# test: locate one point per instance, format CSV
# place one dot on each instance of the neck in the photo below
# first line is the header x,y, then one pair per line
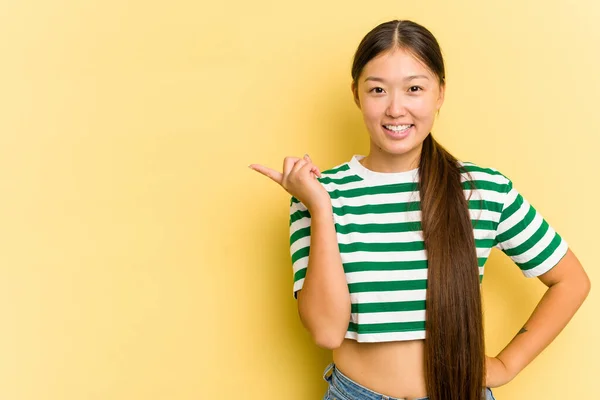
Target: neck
x,y
379,161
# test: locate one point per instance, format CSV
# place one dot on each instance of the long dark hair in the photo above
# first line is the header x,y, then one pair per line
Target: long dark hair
x,y
454,343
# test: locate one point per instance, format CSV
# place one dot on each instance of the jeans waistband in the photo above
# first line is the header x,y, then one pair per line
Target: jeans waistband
x,y
354,391
351,389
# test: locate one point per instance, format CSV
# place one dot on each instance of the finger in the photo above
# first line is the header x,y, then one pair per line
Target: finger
x,y
298,166
268,172
314,169
308,168
315,173
288,164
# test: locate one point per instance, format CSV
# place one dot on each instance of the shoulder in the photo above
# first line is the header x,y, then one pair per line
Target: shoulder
x,y
340,168
472,171
337,172
470,168
339,177
331,179
484,177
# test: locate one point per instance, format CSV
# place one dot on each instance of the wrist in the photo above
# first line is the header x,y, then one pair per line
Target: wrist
x,y
319,208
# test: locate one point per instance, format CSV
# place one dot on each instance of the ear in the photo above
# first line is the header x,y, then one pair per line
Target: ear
x,y
355,94
440,99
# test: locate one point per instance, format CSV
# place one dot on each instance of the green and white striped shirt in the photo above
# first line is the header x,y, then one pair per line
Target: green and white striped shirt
x,y
378,224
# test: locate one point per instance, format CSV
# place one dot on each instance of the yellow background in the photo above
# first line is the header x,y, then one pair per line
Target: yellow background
x,y
141,259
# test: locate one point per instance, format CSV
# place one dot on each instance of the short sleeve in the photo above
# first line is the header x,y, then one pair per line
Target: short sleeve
x,y
299,241
525,236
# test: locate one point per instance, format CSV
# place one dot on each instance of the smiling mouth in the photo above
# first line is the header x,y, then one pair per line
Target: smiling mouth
x,y
397,131
398,128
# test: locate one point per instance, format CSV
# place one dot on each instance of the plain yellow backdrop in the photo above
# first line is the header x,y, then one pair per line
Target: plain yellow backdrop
x,y
141,259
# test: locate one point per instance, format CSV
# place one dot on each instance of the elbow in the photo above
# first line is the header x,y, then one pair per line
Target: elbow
x,y
586,286
580,287
328,340
327,328
327,336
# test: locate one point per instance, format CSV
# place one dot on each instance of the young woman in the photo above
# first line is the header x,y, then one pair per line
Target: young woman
x,y
388,249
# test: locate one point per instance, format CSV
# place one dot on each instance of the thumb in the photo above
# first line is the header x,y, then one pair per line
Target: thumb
x,y
275,176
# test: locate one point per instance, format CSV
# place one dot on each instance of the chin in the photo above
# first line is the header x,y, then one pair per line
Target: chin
x,y
397,149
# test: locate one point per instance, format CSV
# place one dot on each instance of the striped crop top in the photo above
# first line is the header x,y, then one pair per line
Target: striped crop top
x,y
377,220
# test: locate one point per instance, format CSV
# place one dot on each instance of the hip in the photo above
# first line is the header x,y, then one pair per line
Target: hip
x,y
396,368
341,387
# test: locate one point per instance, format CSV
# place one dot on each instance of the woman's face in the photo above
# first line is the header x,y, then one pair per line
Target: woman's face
x,y
399,97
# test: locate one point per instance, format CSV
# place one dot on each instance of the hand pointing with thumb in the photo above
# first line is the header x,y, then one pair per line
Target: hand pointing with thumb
x,y
298,178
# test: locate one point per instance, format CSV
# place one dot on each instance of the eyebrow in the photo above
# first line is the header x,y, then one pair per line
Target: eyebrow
x,y
408,78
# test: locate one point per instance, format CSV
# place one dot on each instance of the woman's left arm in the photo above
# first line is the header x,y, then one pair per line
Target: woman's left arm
x,y
568,286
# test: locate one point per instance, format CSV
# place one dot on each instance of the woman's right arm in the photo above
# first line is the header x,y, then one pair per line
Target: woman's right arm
x,y
324,300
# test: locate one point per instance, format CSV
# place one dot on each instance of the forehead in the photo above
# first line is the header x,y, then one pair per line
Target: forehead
x,y
395,65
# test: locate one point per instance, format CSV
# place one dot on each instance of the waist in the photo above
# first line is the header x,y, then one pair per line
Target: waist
x,y
393,368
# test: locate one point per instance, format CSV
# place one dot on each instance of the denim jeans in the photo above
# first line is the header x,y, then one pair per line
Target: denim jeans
x,y
343,388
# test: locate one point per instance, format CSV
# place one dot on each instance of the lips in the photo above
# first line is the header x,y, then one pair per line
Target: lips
x,y
398,132
397,127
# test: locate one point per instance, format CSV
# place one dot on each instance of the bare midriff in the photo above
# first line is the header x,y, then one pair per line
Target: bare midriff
x,y
395,369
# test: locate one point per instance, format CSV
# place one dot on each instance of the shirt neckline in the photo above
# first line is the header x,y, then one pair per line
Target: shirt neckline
x,y
381,177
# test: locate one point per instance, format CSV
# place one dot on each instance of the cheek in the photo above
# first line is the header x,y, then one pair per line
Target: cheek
x,y
423,108
371,112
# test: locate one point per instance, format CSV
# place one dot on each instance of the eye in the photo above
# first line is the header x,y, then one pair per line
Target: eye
x,y
414,89
375,88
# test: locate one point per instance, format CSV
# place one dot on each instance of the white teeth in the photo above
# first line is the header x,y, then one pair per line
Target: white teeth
x,y
397,128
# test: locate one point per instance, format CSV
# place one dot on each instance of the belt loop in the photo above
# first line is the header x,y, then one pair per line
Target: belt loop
x,y
328,372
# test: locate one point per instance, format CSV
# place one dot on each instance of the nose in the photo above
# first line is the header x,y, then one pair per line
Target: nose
x,y
396,107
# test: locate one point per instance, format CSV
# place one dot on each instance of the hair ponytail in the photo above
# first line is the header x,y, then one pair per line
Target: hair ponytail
x,y
454,345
